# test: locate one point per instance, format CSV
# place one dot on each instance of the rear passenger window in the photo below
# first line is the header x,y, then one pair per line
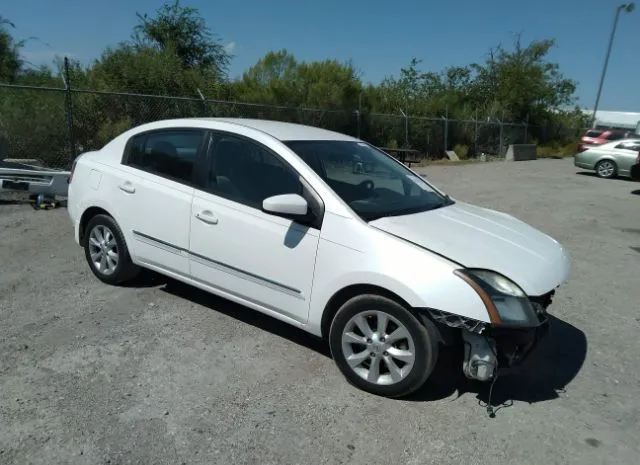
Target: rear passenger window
x,y
168,153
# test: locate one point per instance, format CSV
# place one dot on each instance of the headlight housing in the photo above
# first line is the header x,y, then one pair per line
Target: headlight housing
x,y
506,302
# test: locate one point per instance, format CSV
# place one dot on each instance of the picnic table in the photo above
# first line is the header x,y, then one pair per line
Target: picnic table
x,y
406,156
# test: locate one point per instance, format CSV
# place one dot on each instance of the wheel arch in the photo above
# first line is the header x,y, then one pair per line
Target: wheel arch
x,y
86,217
443,333
606,157
343,295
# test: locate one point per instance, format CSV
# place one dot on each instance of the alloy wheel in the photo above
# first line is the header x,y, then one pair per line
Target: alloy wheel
x,y
606,169
378,347
103,249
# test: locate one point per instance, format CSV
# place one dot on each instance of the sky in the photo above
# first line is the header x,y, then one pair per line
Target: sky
x,y
378,36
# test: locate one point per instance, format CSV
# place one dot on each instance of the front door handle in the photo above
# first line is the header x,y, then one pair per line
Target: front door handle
x,y
207,217
127,187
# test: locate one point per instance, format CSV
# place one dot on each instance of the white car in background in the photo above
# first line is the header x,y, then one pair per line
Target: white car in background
x,y
379,262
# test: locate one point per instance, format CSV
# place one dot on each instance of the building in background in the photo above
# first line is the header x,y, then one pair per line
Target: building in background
x,y
624,120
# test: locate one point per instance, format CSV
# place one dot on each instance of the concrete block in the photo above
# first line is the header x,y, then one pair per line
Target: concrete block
x,y
521,152
452,155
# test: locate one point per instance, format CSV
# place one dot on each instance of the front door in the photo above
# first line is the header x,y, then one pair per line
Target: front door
x,y
238,248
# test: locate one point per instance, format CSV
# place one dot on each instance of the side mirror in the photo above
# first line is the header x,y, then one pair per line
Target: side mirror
x,y
286,204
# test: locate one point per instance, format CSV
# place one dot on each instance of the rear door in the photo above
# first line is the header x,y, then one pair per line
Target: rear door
x,y
156,184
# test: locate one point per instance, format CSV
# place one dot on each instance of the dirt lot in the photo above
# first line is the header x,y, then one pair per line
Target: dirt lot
x,y
159,373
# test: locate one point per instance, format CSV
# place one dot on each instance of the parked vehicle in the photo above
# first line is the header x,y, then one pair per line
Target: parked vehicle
x,y
593,137
611,159
384,265
31,177
635,169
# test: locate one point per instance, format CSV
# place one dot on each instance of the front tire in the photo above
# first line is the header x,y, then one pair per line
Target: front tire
x,y
106,251
606,169
381,347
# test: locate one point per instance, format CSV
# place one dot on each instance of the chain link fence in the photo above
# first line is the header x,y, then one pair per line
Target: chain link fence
x,y
33,125
53,125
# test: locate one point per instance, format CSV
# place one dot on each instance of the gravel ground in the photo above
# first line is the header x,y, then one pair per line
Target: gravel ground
x,y
159,373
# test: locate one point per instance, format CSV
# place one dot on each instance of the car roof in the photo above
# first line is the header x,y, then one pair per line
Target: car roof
x,y
280,130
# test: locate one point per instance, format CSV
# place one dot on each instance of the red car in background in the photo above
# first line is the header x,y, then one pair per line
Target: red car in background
x,y
600,136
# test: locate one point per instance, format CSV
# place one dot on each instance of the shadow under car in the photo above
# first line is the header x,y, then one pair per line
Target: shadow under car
x,y
541,377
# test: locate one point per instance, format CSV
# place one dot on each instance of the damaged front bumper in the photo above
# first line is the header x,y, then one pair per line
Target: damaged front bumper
x,y
489,347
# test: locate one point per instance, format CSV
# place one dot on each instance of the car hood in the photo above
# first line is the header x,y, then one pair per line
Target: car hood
x,y
477,237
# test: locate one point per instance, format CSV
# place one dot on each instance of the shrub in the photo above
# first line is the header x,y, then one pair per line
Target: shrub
x,y
557,149
462,151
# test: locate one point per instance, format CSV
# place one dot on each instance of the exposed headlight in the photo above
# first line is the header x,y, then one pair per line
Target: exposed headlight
x,y
498,282
507,304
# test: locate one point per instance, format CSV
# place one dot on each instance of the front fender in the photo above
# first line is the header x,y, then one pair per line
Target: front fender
x,y
420,278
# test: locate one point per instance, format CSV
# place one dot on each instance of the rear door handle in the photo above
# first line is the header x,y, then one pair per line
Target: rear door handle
x,y
207,217
127,187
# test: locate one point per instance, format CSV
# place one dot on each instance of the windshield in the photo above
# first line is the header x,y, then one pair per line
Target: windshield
x,y
371,182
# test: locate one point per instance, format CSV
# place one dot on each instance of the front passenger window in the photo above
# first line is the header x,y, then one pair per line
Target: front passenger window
x,y
248,173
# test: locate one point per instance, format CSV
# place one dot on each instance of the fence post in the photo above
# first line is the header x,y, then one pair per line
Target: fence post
x,y
69,108
475,137
204,103
406,128
501,135
526,129
446,128
359,114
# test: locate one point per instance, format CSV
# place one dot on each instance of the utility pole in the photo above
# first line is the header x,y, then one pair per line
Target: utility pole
x,y
627,8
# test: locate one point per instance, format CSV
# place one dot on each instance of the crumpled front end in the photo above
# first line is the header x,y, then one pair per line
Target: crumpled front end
x,y
489,347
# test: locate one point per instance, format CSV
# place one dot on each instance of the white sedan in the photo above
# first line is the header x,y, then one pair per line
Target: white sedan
x,y
381,263
611,159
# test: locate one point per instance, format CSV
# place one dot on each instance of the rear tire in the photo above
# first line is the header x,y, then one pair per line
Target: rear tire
x,y
606,169
381,347
106,251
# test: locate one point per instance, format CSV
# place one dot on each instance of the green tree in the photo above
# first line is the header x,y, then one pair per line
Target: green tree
x,y
522,81
319,93
272,80
172,53
134,69
10,61
183,32
278,78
